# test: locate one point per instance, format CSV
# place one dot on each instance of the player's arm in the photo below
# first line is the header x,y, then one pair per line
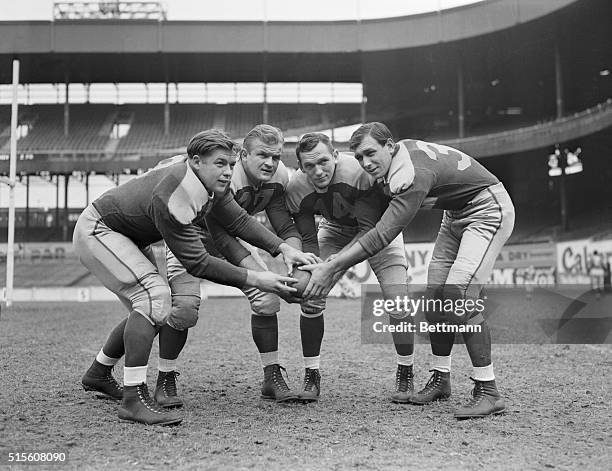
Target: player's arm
x,y
239,223
227,244
281,221
400,212
184,241
306,226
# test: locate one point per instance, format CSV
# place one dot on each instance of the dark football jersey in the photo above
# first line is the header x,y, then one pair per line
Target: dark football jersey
x,y
169,203
265,196
425,175
348,200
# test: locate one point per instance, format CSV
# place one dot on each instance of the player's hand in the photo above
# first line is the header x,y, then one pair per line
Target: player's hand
x,y
321,280
292,299
271,282
293,256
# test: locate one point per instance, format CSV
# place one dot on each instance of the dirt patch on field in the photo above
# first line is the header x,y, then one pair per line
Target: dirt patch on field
x,y
559,412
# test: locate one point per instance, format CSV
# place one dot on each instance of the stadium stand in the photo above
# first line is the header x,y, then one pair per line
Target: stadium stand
x,y
87,131
147,125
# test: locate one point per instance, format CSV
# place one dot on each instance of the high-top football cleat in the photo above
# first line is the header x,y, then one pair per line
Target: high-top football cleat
x,y
165,390
311,389
404,385
485,400
437,388
99,379
138,406
274,385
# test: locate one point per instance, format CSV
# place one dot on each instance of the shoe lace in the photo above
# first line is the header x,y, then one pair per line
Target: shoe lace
x,y
110,379
148,401
277,378
169,383
310,380
403,378
478,393
433,383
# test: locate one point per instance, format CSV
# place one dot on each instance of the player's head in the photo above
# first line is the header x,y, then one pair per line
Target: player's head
x,y
317,158
261,152
373,145
212,156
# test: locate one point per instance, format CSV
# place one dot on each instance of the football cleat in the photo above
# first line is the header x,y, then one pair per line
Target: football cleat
x,y
404,385
311,389
437,388
138,406
485,400
165,390
99,379
274,385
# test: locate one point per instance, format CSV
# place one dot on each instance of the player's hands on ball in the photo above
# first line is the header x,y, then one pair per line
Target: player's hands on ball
x,y
321,280
271,282
293,256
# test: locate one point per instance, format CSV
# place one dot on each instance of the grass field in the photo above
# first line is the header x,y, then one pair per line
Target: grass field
x,y
558,397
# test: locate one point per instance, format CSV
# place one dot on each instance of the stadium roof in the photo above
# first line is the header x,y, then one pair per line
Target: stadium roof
x,y
159,51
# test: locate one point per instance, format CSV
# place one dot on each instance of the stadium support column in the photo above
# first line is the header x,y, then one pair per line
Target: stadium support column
x,y
86,188
460,101
27,208
558,82
265,111
65,218
167,112
66,110
56,222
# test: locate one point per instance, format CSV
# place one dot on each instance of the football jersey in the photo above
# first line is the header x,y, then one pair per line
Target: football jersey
x,y
253,198
425,175
348,200
169,203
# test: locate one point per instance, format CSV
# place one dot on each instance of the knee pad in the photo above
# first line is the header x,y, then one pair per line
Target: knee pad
x,y
264,304
184,314
154,302
313,307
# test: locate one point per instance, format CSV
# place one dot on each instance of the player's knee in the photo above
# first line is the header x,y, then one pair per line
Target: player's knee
x,y
184,314
312,308
155,304
265,304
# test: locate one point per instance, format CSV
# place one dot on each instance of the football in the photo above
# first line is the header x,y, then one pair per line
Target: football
x,y
303,278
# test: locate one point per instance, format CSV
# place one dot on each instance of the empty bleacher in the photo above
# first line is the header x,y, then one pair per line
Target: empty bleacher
x,y
147,125
87,128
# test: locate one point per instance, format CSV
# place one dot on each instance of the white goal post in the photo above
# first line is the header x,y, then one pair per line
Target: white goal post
x,y
10,181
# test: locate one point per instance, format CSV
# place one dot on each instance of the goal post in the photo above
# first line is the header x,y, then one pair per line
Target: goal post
x,y
10,250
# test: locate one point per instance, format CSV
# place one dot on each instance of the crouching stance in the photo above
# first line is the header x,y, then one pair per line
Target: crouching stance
x,y
112,238
478,219
334,186
258,184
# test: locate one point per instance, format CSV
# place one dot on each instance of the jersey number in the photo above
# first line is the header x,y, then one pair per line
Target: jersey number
x,y
434,150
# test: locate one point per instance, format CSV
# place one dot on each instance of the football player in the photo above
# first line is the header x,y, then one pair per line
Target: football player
x,y
336,187
112,238
478,219
258,184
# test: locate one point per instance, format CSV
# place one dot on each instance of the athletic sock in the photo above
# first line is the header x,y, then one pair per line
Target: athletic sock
x,y
405,360
106,360
483,373
269,358
312,362
134,375
165,365
442,363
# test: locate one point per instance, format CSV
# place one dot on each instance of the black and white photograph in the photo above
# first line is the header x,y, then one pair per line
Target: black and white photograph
x,y
290,235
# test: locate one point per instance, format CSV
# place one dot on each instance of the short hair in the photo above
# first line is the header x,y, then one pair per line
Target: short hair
x,y
206,142
267,134
378,131
311,140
